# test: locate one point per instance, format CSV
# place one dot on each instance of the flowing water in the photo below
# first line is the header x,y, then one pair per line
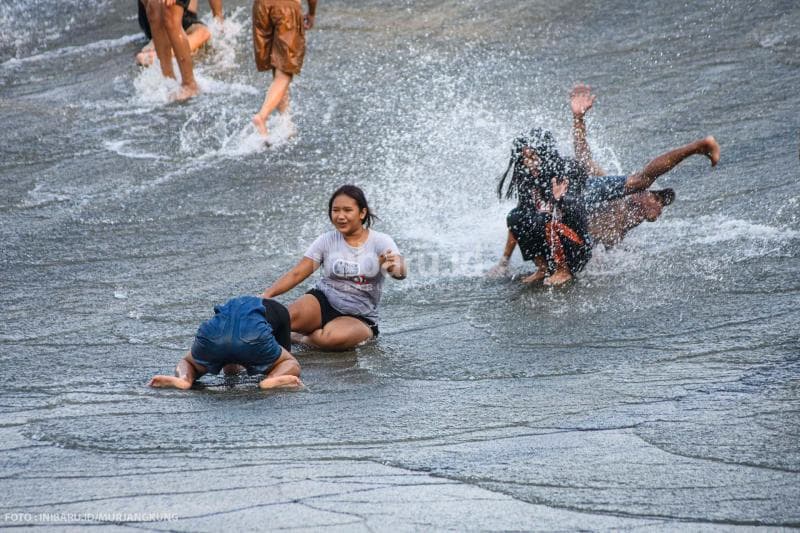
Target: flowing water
x,y
661,390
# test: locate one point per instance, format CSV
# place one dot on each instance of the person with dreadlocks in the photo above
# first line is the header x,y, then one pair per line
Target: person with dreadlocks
x,y
610,205
549,221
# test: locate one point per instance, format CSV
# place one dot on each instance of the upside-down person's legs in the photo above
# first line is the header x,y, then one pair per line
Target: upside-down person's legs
x,y
662,164
186,373
342,333
285,374
173,16
277,95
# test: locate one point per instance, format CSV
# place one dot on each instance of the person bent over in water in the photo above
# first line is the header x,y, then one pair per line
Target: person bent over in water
x,y
196,31
246,331
279,44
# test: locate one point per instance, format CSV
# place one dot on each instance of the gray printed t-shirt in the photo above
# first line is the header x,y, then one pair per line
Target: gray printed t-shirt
x,y
351,278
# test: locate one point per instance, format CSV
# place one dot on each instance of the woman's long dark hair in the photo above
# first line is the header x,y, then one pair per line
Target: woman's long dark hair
x,y
361,200
543,143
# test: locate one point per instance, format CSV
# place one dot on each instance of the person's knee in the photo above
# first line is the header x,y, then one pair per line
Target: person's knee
x,y
173,19
155,13
336,339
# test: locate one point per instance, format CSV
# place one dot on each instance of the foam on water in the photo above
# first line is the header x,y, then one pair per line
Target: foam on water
x,y
67,51
121,148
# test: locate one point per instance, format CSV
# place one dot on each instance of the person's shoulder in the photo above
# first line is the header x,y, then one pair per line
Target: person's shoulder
x,y
381,238
329,238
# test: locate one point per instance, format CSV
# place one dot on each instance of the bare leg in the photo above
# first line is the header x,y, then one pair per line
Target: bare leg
x,y
198,36
173,16
285,374
662,164
343,333
161,42
278,90
305,314
186,373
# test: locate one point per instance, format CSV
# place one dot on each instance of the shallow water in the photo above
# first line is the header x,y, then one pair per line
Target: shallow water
x,y
661,390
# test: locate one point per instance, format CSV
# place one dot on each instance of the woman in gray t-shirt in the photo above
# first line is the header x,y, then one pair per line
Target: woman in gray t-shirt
x,y
342,310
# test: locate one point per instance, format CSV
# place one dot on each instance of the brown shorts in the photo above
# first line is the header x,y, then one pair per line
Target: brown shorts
x,y
279,39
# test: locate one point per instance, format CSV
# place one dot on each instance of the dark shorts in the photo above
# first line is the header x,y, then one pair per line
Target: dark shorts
x,y
527,226
189,18
248,331
279,39
601,189
329,312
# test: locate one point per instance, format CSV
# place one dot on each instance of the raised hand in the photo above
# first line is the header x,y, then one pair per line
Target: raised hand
x,y
581,99
560,188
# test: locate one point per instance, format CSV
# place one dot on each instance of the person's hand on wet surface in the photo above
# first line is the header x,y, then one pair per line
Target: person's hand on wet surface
x,y
581,99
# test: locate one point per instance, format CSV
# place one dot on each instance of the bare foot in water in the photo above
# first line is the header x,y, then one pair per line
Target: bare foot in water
x,y
146,57
281,382
712,150
560,277
185,92
536,277
261,125
169,382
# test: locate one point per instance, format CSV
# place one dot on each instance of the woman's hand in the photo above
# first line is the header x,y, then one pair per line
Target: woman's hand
x,y
393,263
560,188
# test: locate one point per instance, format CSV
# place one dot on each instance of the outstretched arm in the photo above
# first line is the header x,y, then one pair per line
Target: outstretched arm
x,y
291,279
501,268
580,101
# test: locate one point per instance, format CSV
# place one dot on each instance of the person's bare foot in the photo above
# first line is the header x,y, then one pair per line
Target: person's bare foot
x,y
146,57
169,382
559,277
536,277
712,149
260,124
185,92
281,382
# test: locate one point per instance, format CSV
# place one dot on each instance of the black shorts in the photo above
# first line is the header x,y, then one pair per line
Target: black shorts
x,y
189,18
329,312
278,317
